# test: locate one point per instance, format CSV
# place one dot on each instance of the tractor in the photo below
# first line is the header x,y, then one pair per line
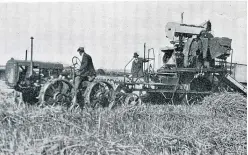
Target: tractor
x,y
52,83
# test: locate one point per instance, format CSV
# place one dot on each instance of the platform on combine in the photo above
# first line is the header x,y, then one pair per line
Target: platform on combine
x,y
192,70
179,91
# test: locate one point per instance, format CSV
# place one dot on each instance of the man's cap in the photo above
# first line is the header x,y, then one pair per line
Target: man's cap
x,y
135,55
80,49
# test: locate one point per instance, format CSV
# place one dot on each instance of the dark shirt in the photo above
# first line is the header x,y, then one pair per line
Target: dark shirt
x,y
137,68
87,67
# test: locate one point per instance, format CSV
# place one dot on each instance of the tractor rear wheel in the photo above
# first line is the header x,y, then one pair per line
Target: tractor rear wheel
x,y
57,91
99,94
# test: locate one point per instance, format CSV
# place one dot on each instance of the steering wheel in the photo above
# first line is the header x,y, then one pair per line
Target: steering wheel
x,y
76,61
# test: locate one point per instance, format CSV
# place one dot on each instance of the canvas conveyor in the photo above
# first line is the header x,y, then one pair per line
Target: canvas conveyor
x,y
231,82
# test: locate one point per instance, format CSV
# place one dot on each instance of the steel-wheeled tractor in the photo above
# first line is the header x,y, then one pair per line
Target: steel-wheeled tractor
x,y
52,83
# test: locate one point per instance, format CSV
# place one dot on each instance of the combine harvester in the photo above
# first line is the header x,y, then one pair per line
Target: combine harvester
x,y
198,67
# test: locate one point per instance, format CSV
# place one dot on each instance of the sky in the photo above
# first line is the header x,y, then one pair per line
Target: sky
x,y
111,31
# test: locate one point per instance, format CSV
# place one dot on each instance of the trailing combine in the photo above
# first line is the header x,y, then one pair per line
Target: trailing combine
x,y
194,67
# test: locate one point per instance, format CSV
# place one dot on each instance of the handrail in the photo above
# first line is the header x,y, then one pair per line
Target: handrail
x,y
234,63
153,57
125,69
148,64
231,61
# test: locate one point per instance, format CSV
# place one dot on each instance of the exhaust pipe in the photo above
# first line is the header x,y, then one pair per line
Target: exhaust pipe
x,y
26,55
182,17
144,56
26,58
31,61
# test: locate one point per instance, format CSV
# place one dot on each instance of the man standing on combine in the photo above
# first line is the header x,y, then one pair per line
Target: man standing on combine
x,y
86,72
137,67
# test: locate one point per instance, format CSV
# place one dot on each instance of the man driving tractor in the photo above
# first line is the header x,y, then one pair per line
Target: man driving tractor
x,y
86,72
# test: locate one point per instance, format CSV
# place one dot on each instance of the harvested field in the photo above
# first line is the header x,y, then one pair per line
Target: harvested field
x,y
216,127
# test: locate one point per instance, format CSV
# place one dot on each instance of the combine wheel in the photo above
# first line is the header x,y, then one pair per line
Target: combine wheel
x,y
201,84
132,99
57,91
198,85
125,99
119,99
194,98
99,94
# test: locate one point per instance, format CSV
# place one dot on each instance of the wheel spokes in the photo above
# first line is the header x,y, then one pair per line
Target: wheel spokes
x,y
132,99
59,92
99,94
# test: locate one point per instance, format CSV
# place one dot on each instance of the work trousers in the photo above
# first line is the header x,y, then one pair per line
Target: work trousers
x,y
78,80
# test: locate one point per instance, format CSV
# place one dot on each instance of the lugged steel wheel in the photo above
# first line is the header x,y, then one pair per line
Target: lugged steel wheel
x,y
57,91
200,86
119,99
132,99
120,94
99,94
125,99
194,98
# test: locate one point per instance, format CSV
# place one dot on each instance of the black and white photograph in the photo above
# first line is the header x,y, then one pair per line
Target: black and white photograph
x,y
123,78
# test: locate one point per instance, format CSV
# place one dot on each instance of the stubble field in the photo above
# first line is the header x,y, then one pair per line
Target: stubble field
x,y
217,126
